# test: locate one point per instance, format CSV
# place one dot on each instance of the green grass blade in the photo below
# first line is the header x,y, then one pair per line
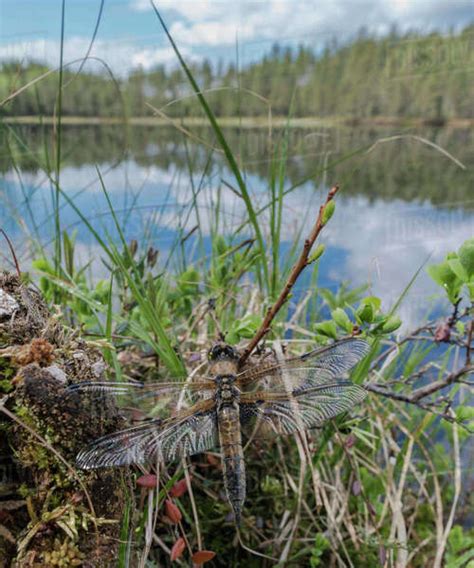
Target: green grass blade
x,y
225,147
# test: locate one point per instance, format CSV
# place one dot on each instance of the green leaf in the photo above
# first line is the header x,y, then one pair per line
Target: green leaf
x,y
342,319
470,288
245,327
461,548
317,254
327,328
328,211
321,544
368,309
443,275
456,266
373,301
365,313
392,324
460,327
466,257
232,338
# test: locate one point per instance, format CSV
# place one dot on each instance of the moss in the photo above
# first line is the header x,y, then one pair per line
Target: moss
x,y
63,554
57,521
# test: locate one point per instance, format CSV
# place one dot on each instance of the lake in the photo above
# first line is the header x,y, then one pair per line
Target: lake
x,y
407,194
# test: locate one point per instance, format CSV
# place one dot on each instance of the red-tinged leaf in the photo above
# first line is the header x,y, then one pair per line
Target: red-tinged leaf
x,y
356,488
179,488
202,556
149,480
173,512
177,549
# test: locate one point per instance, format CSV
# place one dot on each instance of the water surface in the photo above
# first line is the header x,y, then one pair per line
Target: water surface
x,y
402,200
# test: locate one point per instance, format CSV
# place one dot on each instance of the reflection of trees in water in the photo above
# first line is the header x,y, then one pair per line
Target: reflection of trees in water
x,y
404,169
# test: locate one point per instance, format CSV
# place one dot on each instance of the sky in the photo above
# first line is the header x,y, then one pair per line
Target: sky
x,y
129,34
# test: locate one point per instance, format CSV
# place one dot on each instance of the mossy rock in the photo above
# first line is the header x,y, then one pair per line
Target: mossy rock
x,y
65,517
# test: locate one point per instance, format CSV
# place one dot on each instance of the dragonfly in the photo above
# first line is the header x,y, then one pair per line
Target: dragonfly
x,y
288,396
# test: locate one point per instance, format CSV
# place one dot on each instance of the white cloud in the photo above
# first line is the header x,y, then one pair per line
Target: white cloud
x,y
211,33
213,24
119,55
192,10
219,22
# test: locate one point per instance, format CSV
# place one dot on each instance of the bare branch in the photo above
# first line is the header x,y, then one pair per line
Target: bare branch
x,y
297,269
415,398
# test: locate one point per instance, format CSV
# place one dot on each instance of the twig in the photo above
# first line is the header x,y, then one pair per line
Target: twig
x,y
421,392
395,346
12,250
297,269
469,342
453,318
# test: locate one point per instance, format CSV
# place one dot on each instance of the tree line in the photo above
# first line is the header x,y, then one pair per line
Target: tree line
x,y
406,75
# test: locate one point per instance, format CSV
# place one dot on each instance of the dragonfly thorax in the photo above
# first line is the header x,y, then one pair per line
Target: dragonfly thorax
x,y
226,391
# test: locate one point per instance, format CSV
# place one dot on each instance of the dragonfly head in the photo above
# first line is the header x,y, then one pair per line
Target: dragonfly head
x,y
222,351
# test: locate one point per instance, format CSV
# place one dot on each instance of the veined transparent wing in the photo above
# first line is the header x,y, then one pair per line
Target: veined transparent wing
x,y
312,369
190,432
287,413
150,399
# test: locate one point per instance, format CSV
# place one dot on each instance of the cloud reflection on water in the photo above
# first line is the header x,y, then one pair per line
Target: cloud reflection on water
x,y
379,241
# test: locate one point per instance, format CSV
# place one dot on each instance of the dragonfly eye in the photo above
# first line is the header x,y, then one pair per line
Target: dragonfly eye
x,y
222,351
230,352
213,353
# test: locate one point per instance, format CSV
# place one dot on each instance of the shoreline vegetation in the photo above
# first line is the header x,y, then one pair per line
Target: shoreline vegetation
x,y
246,122
408,76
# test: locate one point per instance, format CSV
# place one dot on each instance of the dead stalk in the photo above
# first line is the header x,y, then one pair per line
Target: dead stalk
x,y
457,491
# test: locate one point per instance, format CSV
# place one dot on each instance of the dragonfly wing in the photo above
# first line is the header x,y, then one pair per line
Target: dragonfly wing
x,y
190,432
149,398
287,413
314,368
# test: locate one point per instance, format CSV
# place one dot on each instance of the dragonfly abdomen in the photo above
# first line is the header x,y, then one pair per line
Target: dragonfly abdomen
x,y
232,457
